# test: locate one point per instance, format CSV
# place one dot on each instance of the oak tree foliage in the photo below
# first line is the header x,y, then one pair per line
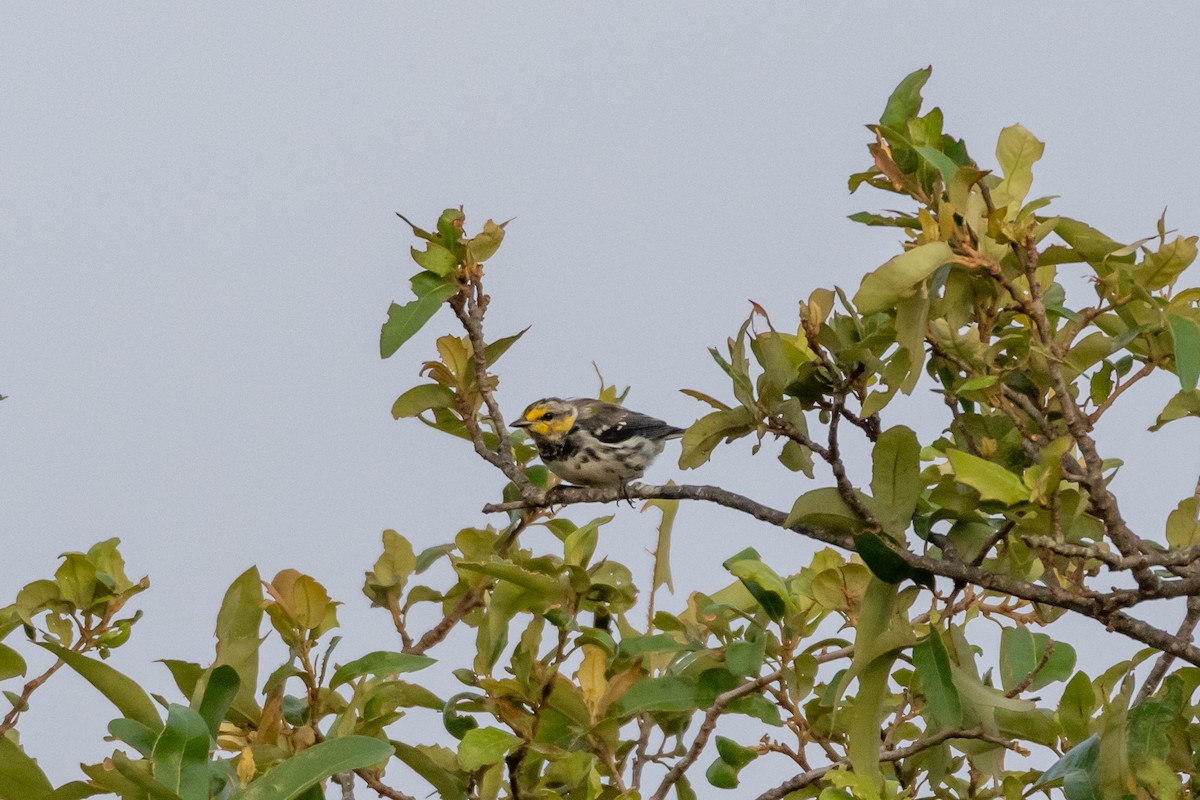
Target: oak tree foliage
x,y
853,672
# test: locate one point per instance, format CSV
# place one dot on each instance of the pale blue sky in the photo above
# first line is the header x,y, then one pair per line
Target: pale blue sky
x,y
198,246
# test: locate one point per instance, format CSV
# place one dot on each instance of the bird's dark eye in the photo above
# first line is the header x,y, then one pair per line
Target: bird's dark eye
x,y
548,415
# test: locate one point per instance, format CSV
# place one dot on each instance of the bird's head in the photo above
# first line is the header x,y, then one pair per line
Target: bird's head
x,y
550,419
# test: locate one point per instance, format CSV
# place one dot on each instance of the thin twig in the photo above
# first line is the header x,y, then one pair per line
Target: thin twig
x,y
706,729
1146,369
806,779
1186,629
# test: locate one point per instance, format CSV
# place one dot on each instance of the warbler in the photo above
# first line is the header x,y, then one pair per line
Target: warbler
x,y
592,443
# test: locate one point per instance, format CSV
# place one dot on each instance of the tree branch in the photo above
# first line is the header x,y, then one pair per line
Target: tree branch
x,y
706,729
806,779
1104,608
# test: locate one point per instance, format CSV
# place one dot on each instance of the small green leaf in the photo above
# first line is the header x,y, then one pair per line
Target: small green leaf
x,y
745,656
932,665
991,480
899,277
905,100
669,693
703,436
181,754
485,243
1017,150
437,765
20,776
1185,403
134,734
483,747
943,163
1076,706
764,583
12,664
422,398
436,259
238,623
289,779
381,664
219,693
1162,267
1186,336
76,579
404,321
122,691
895,472
186,674
1078,771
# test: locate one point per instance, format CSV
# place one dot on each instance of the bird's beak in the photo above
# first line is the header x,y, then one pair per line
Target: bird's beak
x,y
520,423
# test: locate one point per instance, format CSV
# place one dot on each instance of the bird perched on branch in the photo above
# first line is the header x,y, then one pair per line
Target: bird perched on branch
x,y
592,443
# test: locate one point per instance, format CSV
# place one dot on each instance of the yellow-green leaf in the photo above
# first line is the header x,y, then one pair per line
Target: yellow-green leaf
x,y
895,280
992,481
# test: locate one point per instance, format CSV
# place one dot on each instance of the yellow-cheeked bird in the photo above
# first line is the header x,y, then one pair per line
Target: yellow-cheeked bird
x,y
592,443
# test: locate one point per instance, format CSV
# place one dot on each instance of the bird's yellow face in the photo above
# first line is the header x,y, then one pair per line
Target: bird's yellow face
x,y
550,419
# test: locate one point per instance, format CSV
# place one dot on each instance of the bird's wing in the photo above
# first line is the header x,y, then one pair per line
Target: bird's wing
x,y
612,424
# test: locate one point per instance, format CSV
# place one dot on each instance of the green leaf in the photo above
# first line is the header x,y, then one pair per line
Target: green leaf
x,y
905,100
422,398
669,693
1022,651
885,563
437,765
932,665
381,663
943,163
895,472
884,221
1185,403
122,691
745,656
1186,336
1183,524
76,579
238,623
898,278
483,747
134,734
662,550
1160,268
721,775
1016,150
288,779
731,758
1090,243
74,790
20,776
436,259
519,576
992,481
485,243
186,674
1076,706
219,693
703,436
823,508
12,664
1077,770
181,754
404,321
764,583
496,349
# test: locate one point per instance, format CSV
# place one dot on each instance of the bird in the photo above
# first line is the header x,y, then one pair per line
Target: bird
x,y
588,442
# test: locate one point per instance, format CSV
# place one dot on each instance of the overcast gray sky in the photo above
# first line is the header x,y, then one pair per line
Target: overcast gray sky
x,y
198,246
